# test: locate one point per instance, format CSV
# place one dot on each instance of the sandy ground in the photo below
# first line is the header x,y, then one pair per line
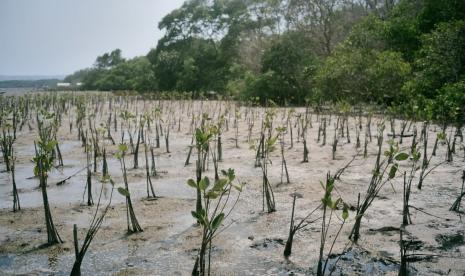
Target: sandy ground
x,y
253,244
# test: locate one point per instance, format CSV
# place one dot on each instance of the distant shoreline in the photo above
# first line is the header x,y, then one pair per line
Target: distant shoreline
x,y
32,84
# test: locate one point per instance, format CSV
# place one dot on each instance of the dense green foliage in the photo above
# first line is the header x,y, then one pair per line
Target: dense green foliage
x,y
409,55
357,75
441,59
450,104
287,72
111,72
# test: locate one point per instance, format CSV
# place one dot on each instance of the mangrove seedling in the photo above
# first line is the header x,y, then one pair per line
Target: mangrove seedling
x,y
136,149
281,131
16,204
294,227
305,121
424,169
415,156
6,144
377,182
189,153
212,214
237,117
335,141
456,205
167,139
329,205
203,137
43,160
94,227
133,224
90,201
268,146
150,190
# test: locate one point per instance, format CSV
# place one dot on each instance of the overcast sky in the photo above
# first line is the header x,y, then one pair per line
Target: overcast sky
x,y
58,37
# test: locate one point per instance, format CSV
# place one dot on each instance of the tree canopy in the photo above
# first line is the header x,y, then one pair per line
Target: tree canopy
x,y
362,51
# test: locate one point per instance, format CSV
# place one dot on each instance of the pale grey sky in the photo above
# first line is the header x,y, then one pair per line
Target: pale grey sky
x,y
58,37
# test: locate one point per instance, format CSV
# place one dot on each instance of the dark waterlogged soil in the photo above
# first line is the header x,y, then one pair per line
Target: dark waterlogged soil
x,y
253,243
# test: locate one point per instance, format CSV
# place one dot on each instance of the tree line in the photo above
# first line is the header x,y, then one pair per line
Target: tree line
x,y
407,54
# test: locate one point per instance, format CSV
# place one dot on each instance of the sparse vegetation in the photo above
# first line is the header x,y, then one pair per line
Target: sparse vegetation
x,y
286,93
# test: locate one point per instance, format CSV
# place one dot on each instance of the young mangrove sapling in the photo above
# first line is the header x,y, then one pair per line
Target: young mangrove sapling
x,y
212,214
94,227
329,205
133,224
377,182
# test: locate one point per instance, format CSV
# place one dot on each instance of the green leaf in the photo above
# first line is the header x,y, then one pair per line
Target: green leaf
x,y
335,203
195,215
123,191
238,187
51,145
118,155
401,156
122,147
322,185
345,212
212,194
219,185
204,183
231,174
36,170
272,141
416,155
393,171
105,178
203,213
329,186
329,201
200,217
192,183
217,221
